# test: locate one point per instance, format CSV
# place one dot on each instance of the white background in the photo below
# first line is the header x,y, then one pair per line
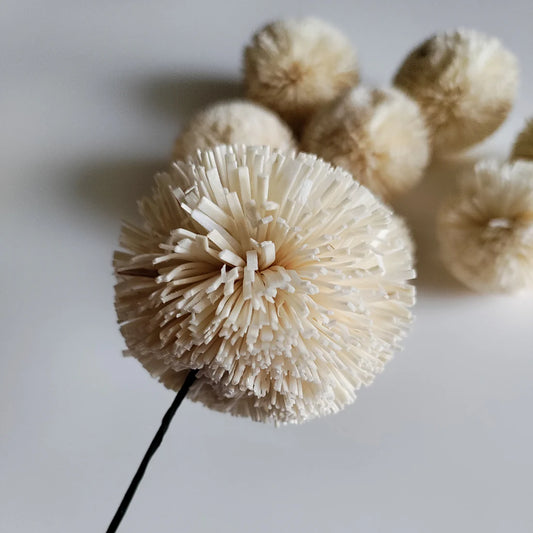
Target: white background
x,y
91,96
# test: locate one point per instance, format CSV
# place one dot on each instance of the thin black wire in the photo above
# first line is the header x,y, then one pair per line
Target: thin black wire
x,y
154,445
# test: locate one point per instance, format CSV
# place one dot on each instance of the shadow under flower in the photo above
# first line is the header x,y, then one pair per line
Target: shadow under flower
x,y
112,187
179,96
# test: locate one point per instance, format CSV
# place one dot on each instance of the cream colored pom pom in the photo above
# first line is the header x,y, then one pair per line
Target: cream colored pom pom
x,y
233,122
465,83
523,146
279,277
379,136
486,231
296,66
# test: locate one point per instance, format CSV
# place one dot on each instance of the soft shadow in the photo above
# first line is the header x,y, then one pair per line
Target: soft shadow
x,y
179,96
420,207
112,187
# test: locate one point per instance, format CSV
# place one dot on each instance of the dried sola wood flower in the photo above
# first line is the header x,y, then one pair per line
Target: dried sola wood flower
x,y
233,122
296,66
280,278
465,83
523,146
379,136
486,230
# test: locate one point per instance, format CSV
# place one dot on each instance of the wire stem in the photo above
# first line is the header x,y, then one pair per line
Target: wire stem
x,y
154,445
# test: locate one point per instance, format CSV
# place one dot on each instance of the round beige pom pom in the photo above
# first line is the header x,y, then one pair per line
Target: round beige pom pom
x,y
296,66
465,83
233,122
523,146
280,278
379,136
486,230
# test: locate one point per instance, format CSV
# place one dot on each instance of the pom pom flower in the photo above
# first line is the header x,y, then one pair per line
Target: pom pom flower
x,y
486,231
280,278
296,66
523,146
379,136
465,83
233,122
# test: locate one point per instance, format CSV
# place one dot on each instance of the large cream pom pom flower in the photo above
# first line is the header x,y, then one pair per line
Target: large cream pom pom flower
x,y
379,136
523,146
233,122
465,83
296,66
279,277
486,230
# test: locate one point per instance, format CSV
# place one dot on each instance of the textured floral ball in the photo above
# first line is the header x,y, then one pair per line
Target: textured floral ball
x,y
486,230
233,122
279,277
523,146
296,66
465,83
379,136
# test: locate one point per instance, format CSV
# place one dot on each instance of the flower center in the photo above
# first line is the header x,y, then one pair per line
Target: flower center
x,y
500,223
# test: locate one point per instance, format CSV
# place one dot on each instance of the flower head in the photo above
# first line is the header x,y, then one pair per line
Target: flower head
x,y
296,66
486,230
233,122
279,277
379,136
465,83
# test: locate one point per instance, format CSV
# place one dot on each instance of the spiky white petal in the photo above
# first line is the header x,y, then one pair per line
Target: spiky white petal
x,y
486,230
279,277
296,66
233,122
523,146
465,83
379,136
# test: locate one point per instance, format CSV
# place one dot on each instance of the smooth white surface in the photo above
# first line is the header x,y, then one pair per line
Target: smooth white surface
x,y
91,97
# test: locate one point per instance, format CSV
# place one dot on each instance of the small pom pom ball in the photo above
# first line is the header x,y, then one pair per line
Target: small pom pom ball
x,y
233,122
379,136
523,146
279,277
465,83
486,230
296,66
